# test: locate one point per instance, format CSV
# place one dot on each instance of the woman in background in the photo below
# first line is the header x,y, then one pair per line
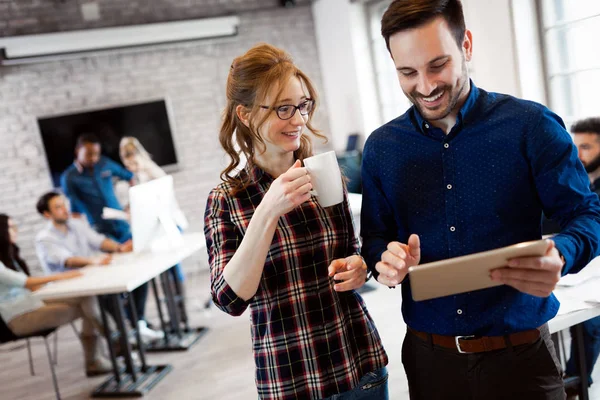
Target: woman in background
x,y
25,314
137,160
274,249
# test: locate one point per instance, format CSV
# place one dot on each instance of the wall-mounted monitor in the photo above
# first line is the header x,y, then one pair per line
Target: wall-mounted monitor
x,y
149,122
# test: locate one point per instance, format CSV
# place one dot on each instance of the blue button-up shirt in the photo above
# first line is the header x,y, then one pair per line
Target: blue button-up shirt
x,y
482,186
54,247
91,190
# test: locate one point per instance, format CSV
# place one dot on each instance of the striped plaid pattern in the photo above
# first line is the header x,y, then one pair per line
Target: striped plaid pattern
x,y
309,341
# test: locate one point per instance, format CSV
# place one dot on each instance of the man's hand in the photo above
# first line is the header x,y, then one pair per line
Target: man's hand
x,y
536,276
103,259
126,247
352,271
396,260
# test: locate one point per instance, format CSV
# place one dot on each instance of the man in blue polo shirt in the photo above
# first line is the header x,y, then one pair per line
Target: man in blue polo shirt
x,y
464,171
88,183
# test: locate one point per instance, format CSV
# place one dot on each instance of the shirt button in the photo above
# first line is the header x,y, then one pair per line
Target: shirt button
x,y
452,229
427,126
446,145
459,311
449,187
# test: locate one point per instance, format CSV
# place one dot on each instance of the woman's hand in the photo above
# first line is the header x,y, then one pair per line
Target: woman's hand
x,y
350,273
288,191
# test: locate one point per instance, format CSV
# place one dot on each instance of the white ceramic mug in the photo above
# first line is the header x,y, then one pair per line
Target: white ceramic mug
x,y
326,178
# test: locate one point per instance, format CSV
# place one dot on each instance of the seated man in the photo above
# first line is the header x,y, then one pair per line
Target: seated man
x,y
67,243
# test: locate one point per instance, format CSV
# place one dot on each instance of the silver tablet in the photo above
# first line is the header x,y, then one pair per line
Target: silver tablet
x,y
467,273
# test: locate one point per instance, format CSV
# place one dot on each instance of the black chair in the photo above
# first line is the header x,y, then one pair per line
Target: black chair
x,y
6,336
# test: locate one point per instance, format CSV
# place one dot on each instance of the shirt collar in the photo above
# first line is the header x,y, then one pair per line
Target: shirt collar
x,y
257,174
469,104
78,167
52,228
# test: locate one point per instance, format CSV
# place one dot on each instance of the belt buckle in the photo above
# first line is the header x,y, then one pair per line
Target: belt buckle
x,y
456,340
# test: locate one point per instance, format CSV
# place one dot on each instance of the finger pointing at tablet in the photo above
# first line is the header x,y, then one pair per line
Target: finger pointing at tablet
x,y
396,260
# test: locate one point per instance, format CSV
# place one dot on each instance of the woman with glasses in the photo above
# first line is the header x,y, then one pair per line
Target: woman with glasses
x,y
272,248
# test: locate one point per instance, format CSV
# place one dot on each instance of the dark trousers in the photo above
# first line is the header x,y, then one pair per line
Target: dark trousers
x,y
138,296
530,371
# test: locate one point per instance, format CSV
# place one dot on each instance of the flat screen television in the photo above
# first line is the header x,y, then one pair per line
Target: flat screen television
x,y
149,122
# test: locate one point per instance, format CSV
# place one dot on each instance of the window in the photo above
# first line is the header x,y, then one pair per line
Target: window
x,y
571,30
392,101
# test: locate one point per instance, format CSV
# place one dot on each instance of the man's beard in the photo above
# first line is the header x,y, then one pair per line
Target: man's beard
x,y
593,165
426,113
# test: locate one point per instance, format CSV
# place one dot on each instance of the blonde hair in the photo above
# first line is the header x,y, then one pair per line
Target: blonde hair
x,y
250,80
129,142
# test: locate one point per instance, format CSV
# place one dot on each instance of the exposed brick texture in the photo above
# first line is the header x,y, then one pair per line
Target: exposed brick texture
x,y
191,77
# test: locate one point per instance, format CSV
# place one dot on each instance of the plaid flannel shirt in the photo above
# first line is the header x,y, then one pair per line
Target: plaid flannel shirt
x,y
309,341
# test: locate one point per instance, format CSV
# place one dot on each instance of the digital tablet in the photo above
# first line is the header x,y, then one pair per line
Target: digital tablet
x,y
467,273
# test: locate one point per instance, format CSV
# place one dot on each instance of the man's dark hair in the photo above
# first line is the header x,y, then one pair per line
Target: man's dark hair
x,y
588,125
402,15
43,203
86,138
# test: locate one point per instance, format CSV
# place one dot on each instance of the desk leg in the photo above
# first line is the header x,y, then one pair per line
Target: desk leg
x,y
173,312
180,299
109,343
138,337
160,313
175,339
583,372
120,320
134,381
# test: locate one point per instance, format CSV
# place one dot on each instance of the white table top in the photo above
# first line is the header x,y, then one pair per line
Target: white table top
x,y
124,274
566,321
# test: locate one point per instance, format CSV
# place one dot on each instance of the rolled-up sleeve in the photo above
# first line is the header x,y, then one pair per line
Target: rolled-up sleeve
x,y
11,278
93,238
222,241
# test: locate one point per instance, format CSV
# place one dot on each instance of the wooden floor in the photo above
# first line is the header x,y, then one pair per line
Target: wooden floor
x,y
219,366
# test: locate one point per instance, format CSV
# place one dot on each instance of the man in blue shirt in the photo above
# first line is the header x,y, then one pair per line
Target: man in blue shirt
x,y
465,171
88,184
586,135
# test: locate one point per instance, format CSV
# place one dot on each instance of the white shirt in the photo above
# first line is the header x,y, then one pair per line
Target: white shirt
x,y
54,247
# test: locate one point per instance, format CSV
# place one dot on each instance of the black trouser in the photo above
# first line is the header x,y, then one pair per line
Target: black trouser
x,y
138,296
530,371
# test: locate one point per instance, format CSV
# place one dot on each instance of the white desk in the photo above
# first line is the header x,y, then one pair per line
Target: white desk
x,y
565,321
124,274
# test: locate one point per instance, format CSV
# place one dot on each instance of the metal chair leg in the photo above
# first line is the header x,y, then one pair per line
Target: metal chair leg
x,y
31,370
56,347
54,381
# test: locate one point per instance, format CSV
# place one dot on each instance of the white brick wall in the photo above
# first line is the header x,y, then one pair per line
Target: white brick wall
x,y
192,79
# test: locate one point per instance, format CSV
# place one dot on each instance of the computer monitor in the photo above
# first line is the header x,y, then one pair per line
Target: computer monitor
x,y
155,216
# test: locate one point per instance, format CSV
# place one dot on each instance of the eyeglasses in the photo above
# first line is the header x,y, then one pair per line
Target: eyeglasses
x,y
287,111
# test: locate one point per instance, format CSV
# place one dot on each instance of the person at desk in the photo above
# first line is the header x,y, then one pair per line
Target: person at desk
x,y
139,162
586,135
463,171
274,249
70,243
25,314
88,183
